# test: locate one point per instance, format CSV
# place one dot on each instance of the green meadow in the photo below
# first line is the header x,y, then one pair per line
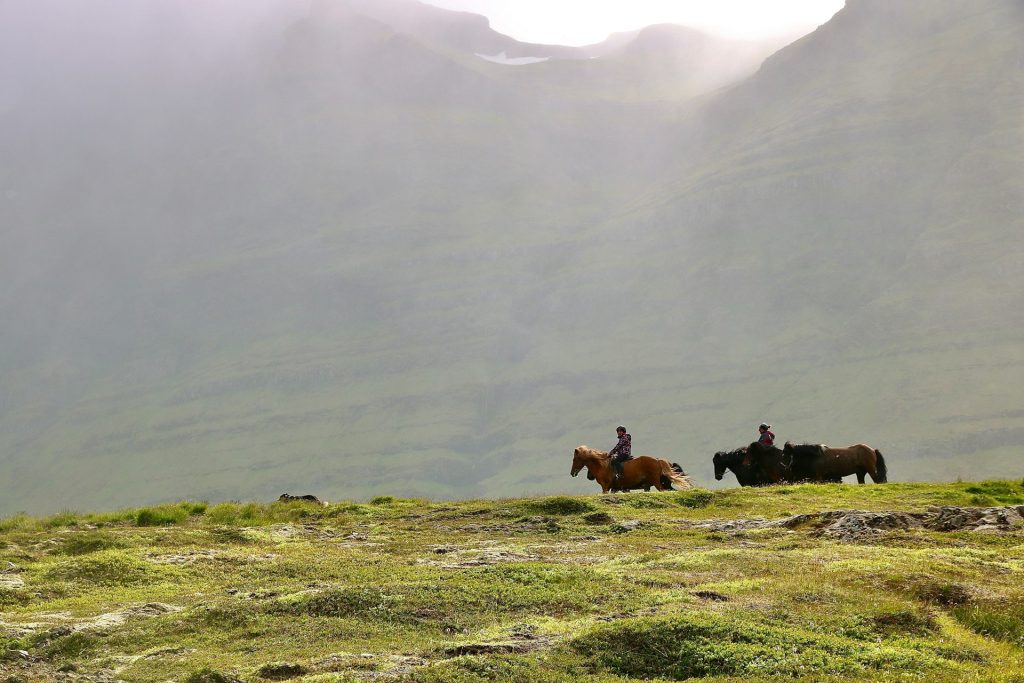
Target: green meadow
x,y
674,586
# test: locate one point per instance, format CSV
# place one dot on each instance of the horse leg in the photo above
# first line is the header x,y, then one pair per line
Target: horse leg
x,y
860,476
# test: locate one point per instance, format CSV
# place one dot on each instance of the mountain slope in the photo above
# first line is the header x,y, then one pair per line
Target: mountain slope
x,y
342,258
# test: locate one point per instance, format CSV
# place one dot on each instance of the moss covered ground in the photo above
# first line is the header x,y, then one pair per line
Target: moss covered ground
x,y
643,586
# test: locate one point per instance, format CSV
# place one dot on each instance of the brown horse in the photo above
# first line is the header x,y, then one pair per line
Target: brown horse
x,y
824,463
640,472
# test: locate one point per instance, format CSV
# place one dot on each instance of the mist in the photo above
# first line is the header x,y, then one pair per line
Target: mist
x,y
325,247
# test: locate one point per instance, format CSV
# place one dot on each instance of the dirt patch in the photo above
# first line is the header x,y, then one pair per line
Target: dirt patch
x,y
710,596
466,559
369,667
11,581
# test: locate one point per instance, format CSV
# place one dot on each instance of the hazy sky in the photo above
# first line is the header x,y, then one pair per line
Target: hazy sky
x,y
579,22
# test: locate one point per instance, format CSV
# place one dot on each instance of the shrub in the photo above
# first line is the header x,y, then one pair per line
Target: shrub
x,y
382,500
942,593
598,518
559,505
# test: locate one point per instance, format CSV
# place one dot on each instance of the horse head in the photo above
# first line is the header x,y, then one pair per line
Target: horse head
x,y
582,457
720,464
579,461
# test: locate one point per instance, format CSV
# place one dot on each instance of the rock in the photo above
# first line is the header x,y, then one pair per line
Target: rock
x,y
628,525
857,524
951,518
486,649
308,498
10,568
110,620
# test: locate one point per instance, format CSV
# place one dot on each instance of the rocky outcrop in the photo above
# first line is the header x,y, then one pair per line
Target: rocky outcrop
x,y
860,524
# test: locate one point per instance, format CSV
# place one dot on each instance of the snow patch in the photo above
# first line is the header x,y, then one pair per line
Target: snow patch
x,y
503,58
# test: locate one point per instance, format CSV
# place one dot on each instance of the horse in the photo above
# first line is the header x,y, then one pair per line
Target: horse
x,y
640,472
801,463
767,464
739,463
665,481
824,463
755,465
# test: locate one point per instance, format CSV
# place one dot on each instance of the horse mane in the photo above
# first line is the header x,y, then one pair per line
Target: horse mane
x,y
592,453
805,449
734,456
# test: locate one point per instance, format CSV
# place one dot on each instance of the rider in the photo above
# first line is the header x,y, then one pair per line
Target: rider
x,y
622,451
767,438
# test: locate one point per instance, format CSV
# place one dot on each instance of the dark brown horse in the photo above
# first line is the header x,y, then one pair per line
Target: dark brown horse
x,y
741,465
823,463
639,473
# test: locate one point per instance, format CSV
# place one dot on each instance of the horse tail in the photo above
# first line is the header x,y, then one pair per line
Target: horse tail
x,y
881,471
674,474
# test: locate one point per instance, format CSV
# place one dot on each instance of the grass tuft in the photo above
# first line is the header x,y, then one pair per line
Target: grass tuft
x,y
103,568
697,645
83,544
695,498
1002,620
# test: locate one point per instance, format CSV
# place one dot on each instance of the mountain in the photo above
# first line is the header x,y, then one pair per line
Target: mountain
x,y
329,252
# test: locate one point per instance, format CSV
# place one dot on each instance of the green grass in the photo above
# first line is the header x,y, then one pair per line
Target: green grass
x,y
501,591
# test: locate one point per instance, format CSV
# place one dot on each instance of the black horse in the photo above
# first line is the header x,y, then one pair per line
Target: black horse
x,y
755,465
801,459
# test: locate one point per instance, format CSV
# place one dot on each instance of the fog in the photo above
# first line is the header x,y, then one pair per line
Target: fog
x,y
324,247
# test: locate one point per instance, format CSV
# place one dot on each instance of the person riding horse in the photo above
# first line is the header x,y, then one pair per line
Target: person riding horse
x,y
622,451
767,436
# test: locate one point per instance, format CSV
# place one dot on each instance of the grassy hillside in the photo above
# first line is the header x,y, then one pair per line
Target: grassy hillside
x,y
332,255
729,585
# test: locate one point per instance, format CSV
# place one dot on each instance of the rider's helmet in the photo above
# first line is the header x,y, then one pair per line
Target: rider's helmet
x,y
621,429
765,425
